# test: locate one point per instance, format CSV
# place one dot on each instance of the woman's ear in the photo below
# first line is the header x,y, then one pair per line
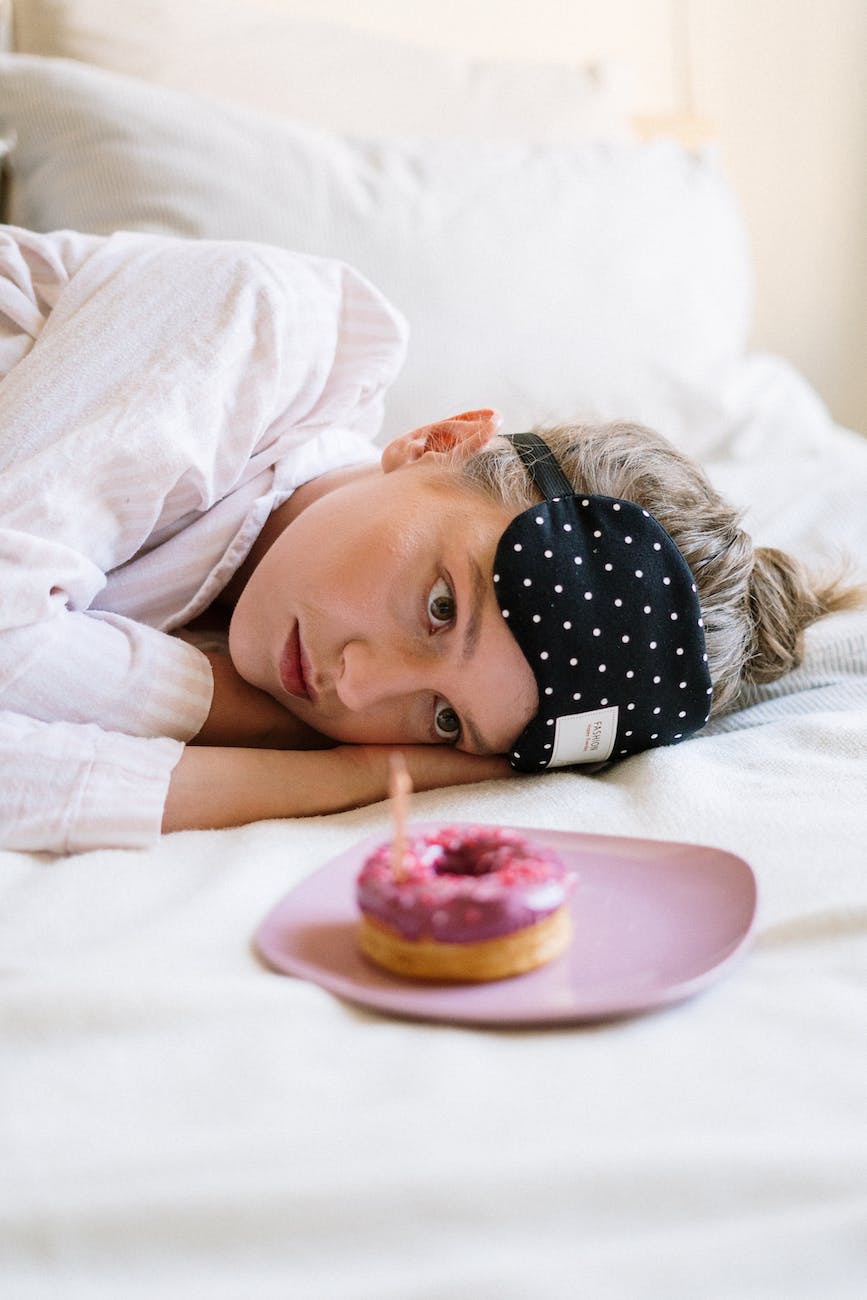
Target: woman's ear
x,y
465,434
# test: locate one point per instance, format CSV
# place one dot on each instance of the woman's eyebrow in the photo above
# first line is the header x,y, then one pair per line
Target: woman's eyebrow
x,y
478,591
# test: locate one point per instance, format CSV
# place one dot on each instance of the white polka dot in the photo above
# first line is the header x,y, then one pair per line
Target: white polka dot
x,y
550,722
573,663
647,609
674,618
515,754
679,650
704,658
547,746
639,573
597,631
505,613
630,673
627,540
618,602
666,582
558,588
548,554
608,568
518,546
539,519
528,582
646,514
625,640
655,736
537,618
682,713
657,546
588,595
657,680
683,686
603,702
657,709
602,668
678,735
694,588
578,560
701,622
630,706
653,645
549,690
567,625
544,654
627,733
596,532
577,695
585,502
496,577
567,528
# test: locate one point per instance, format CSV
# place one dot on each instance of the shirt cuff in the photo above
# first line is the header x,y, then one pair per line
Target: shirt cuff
x,y
122,794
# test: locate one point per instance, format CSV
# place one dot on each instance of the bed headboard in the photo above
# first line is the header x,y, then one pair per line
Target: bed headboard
x,y
781,82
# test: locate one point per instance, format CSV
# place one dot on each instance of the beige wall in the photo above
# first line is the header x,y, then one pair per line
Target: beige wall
x,y
785,82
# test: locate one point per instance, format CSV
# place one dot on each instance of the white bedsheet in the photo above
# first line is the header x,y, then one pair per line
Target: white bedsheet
x,y
177,1121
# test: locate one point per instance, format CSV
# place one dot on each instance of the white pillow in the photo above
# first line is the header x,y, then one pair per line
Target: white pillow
x,y
255,53
553,282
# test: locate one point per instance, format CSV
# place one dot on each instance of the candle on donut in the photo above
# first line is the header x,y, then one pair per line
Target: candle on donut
x,y
399,789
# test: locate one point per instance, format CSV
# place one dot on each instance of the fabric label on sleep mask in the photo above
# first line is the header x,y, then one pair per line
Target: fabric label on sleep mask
x,y
584,737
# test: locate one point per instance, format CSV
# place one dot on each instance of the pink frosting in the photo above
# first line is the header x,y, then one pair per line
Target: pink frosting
x,y
463,884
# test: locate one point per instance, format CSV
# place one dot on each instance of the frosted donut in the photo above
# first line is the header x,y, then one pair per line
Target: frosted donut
x,y
470,903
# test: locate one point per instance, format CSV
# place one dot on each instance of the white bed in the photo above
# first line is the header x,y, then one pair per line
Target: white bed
x,y
175,1119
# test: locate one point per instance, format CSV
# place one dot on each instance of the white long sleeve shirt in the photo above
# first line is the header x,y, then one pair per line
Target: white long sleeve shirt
x,y
158,399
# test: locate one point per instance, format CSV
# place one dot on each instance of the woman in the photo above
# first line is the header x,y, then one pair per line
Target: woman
x,y
186,441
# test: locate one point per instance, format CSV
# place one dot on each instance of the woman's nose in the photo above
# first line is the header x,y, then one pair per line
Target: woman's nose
x,y
371,672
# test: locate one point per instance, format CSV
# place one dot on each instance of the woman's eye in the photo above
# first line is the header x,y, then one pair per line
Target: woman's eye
x,y
446,722
441,603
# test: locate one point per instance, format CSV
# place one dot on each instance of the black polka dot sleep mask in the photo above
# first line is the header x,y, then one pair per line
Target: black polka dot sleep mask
x,y
606,612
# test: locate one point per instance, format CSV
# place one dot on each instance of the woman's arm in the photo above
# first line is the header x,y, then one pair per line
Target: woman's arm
x,y
215,786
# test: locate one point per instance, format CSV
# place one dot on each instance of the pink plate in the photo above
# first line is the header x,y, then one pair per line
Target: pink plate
x,y
654,922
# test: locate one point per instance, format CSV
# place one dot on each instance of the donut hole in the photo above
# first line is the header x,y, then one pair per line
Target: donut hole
x,y
468,863
479,855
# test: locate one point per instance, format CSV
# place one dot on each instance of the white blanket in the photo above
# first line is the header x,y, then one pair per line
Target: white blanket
x,y
178,1121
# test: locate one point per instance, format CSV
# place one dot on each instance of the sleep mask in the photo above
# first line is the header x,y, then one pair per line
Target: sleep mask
x,y
606,612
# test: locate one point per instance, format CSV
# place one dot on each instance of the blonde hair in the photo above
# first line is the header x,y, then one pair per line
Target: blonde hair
x,y
756,601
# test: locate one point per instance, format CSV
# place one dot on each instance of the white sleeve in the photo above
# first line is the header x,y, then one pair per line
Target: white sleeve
x,y
361,346
101,667
70,788
192,357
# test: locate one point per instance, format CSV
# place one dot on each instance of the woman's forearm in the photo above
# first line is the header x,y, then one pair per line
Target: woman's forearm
x,y
215,787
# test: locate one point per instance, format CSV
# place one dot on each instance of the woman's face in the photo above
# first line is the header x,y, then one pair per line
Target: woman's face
x,y
373,617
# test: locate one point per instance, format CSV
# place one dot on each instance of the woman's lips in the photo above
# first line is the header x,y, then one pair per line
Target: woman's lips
x,y
292,667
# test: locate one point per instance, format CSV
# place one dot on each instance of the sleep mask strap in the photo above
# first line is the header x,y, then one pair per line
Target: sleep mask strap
x,y
542,465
